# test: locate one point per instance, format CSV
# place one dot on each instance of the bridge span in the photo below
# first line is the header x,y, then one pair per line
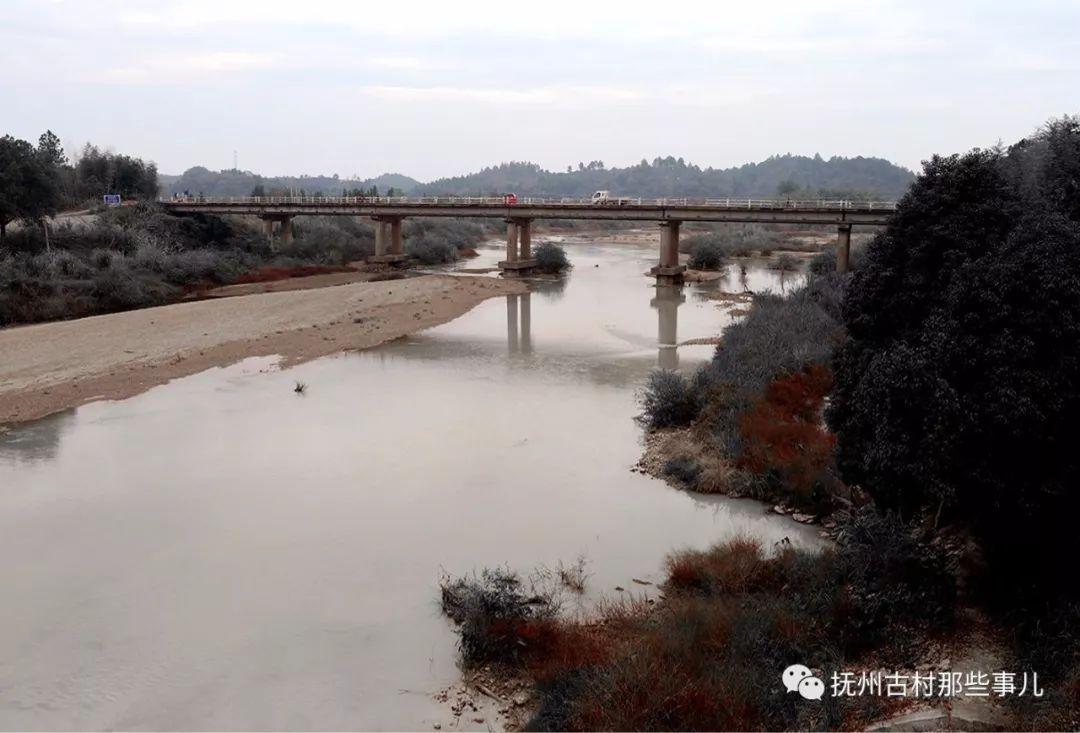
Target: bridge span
x,y
519,214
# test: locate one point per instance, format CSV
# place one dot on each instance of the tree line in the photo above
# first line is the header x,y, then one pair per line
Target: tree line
x,y
38,181
780,175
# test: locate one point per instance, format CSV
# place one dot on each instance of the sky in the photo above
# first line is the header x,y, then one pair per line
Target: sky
x,y
443,88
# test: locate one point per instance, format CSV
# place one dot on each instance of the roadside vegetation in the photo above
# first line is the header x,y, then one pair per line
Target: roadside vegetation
x,y
139,256
923,408
136,255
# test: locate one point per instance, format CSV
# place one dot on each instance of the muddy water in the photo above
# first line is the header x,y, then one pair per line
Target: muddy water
x,y
223,553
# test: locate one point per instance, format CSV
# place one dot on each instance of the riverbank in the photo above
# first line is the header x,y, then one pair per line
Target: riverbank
x,y
54,366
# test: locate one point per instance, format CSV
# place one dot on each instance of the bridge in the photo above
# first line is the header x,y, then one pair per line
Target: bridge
x,y
519,214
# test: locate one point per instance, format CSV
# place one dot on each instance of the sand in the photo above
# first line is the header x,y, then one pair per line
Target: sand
x,y
50,367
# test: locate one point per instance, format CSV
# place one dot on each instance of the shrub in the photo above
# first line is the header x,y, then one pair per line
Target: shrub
x,y
823,262
683,469
893,580
780,335
668,400
141,256
708,255
431,249
742,242
498,617
709,655
785,263
782,436
551,258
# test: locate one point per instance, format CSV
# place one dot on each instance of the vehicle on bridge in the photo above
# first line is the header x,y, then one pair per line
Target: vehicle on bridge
x,y
509,199
604,198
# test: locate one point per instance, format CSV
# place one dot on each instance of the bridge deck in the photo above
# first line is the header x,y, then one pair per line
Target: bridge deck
x,y
871,213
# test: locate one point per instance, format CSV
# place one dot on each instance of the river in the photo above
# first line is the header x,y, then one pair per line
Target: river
x,y
221,552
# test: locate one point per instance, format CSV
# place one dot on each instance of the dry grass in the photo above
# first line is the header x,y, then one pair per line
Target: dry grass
x,y
715,473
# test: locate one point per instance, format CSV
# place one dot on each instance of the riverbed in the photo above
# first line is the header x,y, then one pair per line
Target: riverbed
x,y
223,552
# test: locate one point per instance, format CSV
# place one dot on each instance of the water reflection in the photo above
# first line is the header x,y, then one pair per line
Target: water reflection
x,y
667,302
36,441
519,323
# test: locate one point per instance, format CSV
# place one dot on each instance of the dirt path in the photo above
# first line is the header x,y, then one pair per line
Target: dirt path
x,y
53,366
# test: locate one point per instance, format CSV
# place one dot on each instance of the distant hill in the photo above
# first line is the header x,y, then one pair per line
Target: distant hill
x,y
241,183
778,175
781,175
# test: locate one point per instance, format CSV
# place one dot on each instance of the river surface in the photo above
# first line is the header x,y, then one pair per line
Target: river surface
x,y
223,553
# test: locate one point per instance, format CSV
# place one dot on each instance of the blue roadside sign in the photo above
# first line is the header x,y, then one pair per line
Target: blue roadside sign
x,y
112,199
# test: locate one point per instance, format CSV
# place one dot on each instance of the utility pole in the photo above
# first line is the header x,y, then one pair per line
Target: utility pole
x,y
234,164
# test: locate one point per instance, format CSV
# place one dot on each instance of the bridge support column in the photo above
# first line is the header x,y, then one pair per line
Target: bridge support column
x,y
518,263
283,226
388,237
843,247
380,238
525,239
668,271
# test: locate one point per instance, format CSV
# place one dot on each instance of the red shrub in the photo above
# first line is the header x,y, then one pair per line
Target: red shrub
x,y
782,432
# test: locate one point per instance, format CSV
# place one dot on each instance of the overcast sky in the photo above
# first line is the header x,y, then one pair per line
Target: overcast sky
x,y
433,89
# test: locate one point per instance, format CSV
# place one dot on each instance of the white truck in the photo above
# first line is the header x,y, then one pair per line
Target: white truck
x,y
604,198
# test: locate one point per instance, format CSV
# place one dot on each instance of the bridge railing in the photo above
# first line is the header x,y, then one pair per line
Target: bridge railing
x,y
711,203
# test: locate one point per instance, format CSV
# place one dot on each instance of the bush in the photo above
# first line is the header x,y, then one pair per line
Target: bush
x,y
686,470
959,384
331,241
894,580
498,617
668,400
781,437
780,335
140,256
823,262
709,655
785,263
742,242
551,258
708,255
431,249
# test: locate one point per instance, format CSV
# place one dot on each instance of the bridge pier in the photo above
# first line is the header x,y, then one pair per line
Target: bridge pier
x,y
388,236
284,228
518,262
668,271
843,247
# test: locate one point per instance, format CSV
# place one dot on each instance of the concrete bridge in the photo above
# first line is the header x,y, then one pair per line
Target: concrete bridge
x,y
519,214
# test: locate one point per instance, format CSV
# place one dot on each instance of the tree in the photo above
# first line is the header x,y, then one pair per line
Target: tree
x,y
51,151
28,186
958,386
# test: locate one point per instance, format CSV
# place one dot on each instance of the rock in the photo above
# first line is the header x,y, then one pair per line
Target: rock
x,y
779,509
803,518
521,699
